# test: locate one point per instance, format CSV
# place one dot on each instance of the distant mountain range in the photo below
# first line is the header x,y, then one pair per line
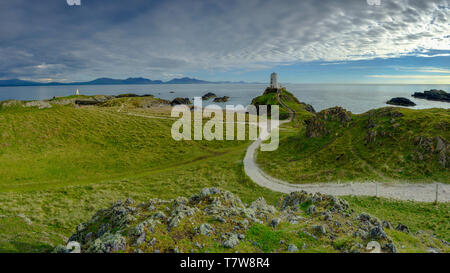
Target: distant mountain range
x,y
109,81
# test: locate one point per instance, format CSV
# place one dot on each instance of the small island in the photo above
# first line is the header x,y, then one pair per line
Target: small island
x,y
401,102
433,94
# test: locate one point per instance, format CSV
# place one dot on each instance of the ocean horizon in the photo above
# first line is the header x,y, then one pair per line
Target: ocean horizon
x,y
357,98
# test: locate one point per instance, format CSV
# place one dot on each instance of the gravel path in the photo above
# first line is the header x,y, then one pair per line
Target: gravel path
x,y
401,191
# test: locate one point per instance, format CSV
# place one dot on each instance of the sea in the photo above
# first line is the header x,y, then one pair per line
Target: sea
x,y
357,98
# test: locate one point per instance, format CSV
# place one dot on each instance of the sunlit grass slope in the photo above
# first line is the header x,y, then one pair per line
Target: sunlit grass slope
x,y
65,145
387,144
60,165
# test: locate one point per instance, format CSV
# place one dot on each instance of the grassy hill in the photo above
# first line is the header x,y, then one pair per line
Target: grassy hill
x,y
387,144
269,97
60,165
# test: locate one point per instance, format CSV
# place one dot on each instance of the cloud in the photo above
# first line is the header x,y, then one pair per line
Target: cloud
x,y
434,55
49,39
422,77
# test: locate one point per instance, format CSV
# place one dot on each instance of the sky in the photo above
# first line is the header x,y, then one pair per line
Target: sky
x,y
304,41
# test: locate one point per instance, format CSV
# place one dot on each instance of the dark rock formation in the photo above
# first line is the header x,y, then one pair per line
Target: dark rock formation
x,y
401,102
221,99
178,101
308,107
208,96
433,94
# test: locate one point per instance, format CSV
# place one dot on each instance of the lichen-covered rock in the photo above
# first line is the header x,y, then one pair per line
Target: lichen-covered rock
x,y
216,218
108,243
39,104
275,222
292,248
231,241
319,229
377,232
402,228
206,229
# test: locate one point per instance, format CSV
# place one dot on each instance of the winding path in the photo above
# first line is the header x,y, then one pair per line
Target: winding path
x,y
401,191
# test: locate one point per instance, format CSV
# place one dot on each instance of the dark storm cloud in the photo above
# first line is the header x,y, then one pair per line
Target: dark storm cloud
x,y
116,38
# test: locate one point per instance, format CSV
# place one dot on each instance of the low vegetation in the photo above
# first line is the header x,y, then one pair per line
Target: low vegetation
x,y
387,144
218,221
61,164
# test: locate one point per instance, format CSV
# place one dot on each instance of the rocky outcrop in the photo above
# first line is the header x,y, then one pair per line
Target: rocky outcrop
x,y
221,99
433,94
208,96
376,126
316,126
180,101
308,107
96,100
429,148
336,114
219,218
41,104
401,102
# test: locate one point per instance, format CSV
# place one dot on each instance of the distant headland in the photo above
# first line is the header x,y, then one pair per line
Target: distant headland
x,y
110,81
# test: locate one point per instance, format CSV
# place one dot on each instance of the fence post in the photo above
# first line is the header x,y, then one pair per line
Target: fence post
x,y
437,192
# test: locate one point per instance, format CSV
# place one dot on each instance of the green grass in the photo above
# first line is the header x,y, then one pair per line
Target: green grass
x,y
65,145
270,98
59,166
417,216
345,155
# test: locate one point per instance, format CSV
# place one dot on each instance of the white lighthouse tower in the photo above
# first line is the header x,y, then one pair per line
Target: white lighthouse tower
x,y
274,81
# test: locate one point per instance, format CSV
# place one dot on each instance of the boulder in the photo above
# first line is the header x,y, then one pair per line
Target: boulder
x,y
292,248
206,229
275,222
231,241
401,102
319,229
402,228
